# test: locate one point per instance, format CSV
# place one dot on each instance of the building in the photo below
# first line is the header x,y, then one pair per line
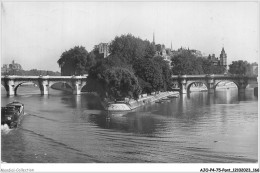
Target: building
x,y
103,48
223,58
213,59
160,50
221,61
11,67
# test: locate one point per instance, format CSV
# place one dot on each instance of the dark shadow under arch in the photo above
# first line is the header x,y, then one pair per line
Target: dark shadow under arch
x,y
215,86
20,84
190,84
63,86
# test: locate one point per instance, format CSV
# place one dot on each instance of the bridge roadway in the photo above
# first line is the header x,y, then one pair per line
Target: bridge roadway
x,y
183,82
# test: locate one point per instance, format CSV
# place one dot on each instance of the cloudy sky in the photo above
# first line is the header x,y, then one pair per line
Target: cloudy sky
x,y
35,34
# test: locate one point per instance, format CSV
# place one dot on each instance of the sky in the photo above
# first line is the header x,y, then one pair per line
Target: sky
x,y
34,34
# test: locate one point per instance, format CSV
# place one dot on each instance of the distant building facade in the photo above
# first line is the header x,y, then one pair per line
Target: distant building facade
x,y
168,53
103,48
221,61
11,67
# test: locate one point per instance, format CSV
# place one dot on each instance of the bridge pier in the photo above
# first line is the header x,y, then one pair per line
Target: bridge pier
x,y
241,90
44,84
183,86
211,86
9,85
44,89
242,86
76,89
77,84
10,89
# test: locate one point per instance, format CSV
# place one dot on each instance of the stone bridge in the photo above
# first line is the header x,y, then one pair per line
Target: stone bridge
x,y
11,83
184,82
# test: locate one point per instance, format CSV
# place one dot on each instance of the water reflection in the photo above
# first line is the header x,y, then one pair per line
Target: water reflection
x,y
185,111
199,127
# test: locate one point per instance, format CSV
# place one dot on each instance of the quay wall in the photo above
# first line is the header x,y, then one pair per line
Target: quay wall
x,y
133,104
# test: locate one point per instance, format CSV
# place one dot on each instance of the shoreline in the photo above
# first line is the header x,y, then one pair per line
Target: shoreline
x,y
133,104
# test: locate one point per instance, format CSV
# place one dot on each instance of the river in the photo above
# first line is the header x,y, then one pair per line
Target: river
x,y
194,128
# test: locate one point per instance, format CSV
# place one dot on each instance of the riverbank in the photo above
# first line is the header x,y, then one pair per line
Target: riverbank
x,y
133,104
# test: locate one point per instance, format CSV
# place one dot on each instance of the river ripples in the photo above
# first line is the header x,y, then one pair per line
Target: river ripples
x,y
195,128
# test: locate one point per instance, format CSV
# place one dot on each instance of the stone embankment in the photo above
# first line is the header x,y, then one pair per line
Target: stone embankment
x,y
133,104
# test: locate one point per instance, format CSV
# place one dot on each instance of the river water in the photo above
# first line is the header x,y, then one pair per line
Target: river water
x,y
194,128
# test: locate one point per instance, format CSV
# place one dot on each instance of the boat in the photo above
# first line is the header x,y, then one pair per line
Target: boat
x,y
173,96
164,99
12,113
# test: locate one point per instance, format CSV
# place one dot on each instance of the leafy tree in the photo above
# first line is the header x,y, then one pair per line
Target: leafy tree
x,y
149,72
130,48
239,67
121,83
91,60
256,71
209,68
111,81
186,63
73,62
165,71
145,86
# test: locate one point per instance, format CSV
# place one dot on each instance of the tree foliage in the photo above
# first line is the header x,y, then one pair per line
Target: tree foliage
x,y
165,70
242,68
149,72
73,61
32,72
185,63
189,64
112,79
130,48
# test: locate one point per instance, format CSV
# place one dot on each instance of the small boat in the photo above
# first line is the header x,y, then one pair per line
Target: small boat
x,y
173,96
165,99
12,113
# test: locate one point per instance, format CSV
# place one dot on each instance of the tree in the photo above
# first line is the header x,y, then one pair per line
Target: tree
x,y
186,63
165,71
113,80
73,62
149,72
256,71
121,83
239,67
209,68
130,48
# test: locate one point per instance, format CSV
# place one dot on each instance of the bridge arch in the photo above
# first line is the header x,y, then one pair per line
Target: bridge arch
x,y
6,88
219,81
61,85
18,84
190,83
